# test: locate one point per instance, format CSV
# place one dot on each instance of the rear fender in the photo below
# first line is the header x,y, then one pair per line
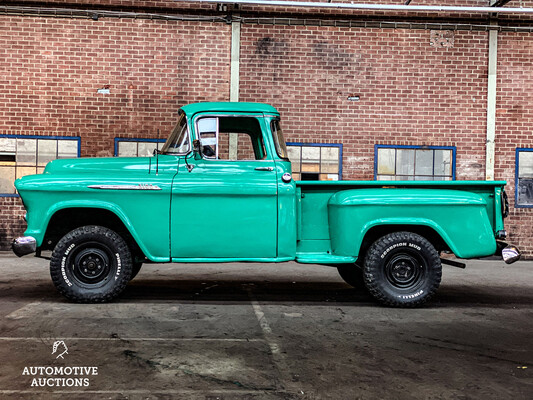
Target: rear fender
x,y
459,217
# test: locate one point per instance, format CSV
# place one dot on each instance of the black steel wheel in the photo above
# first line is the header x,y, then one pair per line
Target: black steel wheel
x,y
352,274
91,264
402,269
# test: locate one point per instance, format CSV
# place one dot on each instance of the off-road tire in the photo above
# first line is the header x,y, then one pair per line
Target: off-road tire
x,y
91,264
352,274
402,269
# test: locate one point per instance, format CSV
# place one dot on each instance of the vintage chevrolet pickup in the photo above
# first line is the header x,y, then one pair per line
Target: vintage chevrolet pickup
x,y
221,190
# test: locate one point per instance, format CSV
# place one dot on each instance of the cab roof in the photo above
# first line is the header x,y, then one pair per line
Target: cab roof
x,y
191,109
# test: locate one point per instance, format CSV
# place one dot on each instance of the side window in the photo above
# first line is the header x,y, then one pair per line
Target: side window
x,y
137,147
231,138
524,178
26,155
408,163
316,161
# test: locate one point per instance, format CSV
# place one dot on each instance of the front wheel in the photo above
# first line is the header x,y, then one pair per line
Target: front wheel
x,y
402,269
91,264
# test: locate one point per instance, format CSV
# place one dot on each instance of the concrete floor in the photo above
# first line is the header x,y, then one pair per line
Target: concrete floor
x,y
265,331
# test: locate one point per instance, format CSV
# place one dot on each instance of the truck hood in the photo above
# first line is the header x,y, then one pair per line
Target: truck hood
x,y
91,165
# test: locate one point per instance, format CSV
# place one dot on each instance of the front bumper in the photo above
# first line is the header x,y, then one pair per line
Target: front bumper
x,y
24,245
508,252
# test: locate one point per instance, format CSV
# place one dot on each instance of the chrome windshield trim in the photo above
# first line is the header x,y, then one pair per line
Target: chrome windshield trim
x,y
140,186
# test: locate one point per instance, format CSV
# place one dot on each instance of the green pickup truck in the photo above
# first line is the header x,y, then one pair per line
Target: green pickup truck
x,y
221,190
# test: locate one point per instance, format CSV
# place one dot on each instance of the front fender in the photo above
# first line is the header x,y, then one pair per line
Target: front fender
x,y
37,227
459,217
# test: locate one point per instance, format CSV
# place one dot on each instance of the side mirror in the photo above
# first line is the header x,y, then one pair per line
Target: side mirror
x,y
197,148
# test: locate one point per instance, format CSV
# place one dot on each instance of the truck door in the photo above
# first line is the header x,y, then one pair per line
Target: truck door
x,y
226,206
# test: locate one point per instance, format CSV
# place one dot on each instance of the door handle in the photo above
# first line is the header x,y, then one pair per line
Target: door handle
x,y
264,169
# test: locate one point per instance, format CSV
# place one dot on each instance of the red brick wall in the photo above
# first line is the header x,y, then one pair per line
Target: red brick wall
x,y
52,68
411,93
514,124
13,225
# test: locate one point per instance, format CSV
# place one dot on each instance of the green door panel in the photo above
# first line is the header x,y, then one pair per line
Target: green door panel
x,y
224,209
460,217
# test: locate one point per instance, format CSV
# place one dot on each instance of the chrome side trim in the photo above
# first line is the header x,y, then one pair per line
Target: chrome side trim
x,y
140,186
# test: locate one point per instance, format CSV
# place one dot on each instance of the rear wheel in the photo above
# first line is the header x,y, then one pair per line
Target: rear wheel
x,y
91,264
402,269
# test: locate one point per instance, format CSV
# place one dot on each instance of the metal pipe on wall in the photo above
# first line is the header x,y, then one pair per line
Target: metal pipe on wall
x,y
374,7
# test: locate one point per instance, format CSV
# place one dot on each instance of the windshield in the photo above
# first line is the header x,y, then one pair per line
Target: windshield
x,y
178,141
279,140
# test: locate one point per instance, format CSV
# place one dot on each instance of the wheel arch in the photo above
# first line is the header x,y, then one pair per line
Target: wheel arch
x,y
69,217
432,233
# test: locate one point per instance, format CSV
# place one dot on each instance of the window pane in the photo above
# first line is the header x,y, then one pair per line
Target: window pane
x,y
424,163
329,177
386,161
23,171
7,177
330,159
207,125
294,155
67,149
26,152
7,146
279,140
46,151
127,149
310,159
405,162
209,144
525,164
443,162
525,191
146,149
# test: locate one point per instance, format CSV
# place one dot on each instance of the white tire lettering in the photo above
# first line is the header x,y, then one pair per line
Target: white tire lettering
x,y
63,272
69,249
119,266
389,249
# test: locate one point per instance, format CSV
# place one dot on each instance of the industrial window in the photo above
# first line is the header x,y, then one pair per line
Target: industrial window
x,y
399,163
315,161
125,147
524,178
25,155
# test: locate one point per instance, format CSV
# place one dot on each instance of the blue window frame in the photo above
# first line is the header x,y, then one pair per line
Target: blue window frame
x,y
414,162
136,147
524,178
22,155
315,161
